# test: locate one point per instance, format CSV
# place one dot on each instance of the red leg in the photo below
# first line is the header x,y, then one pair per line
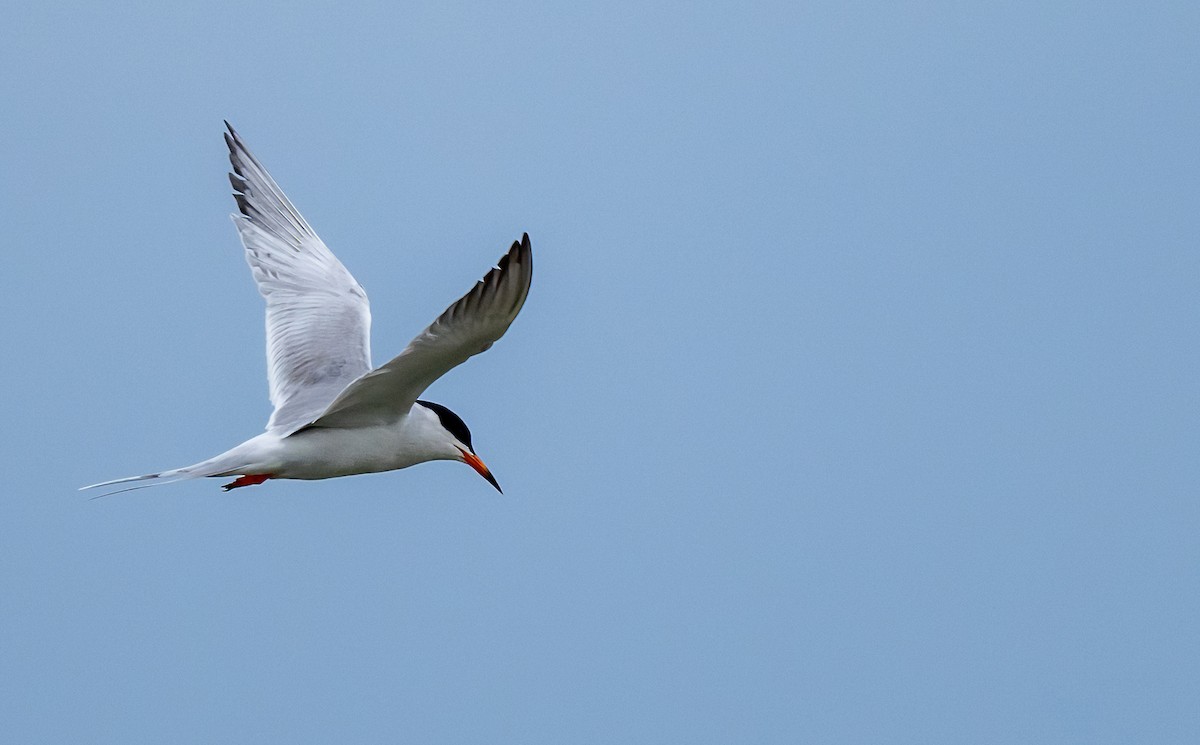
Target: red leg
x,y
249,480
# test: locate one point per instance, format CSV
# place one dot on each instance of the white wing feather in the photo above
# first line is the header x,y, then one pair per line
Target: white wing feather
x,y
465,329
318,317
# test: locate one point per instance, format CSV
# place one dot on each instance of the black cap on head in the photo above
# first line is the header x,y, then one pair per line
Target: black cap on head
x,y
452,422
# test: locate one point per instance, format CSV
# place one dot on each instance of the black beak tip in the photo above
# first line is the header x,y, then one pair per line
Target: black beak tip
x,y
492,480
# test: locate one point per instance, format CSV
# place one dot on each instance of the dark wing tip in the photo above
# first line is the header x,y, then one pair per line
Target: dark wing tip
x,y
515,262
526,258
236,147
240,187
237,151
502,264
525,254
519,251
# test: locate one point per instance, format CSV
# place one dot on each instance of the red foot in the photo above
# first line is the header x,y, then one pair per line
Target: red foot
x,y
253,479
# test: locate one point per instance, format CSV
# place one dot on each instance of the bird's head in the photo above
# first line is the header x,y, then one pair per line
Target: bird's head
x,y
457,443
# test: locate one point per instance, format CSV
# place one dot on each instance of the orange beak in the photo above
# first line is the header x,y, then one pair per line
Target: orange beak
x,y
472,460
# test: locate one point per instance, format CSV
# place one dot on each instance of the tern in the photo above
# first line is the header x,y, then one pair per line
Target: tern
x,y
335,414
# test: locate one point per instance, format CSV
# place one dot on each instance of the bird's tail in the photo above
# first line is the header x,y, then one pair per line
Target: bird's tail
x,y
219,466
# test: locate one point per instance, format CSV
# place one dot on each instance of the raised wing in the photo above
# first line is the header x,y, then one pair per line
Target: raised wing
x,y
318,318
465,329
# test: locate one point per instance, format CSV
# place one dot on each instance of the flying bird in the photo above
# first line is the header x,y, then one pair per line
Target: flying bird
x,y
335,413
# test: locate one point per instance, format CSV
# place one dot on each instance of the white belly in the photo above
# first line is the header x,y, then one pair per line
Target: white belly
x,y
327,453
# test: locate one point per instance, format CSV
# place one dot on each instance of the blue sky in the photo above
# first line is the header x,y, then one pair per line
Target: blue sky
x,y
855,398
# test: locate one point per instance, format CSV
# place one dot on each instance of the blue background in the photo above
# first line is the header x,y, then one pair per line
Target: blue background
x,y
855,399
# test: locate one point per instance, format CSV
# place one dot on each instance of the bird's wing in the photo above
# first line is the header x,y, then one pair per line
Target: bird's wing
x,y
318,318
465,329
